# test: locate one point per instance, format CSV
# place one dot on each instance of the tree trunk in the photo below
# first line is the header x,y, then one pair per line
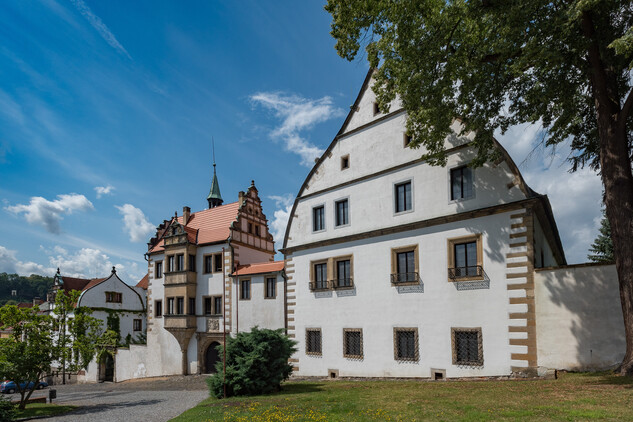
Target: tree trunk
x,y
617,178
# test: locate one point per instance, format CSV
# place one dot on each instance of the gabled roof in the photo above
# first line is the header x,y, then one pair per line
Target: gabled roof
x,y
144,282
93,283
259,268
207,226
72,283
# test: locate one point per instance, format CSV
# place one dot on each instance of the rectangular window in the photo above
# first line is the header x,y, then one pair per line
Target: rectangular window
x,y
404,265
137,325
158,308
407,139
170,306
343,275
405,344
114,297
250,227
318,218
313,341
402,195
217,261
208,310
353,343
467,346
171,266
270,288
180,262
158,269
461,183
376,108
465,260
245,289
257,230
192,263
342,212
320,276
217,305
192,306
208,264
345,162
180,306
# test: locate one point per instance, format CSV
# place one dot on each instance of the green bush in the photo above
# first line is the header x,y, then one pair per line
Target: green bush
x,y
7,410
256,363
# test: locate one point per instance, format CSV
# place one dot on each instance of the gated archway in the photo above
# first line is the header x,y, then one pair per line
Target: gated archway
x,y
211,357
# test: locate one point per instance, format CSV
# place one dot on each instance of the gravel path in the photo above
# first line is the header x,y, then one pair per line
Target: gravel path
x,y
153,399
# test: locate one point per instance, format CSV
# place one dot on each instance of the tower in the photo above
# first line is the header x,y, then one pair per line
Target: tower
x,y
214,198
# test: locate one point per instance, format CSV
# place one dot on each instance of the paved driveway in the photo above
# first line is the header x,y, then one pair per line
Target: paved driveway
x,y
152,399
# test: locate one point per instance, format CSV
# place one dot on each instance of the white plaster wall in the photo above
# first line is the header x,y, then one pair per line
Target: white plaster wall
x,y
249,256
211,284
365,111
541,244
371,202
91,374
126,324
377,307
579,322
265,313
132,363
95,296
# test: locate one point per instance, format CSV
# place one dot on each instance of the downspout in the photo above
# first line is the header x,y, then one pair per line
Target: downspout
x,y
224,323
283,274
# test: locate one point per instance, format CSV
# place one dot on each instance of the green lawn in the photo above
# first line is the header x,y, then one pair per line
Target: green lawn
x,y
40,409
572,397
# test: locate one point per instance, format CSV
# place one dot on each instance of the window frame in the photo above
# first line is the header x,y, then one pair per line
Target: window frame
x,y
218,256
180,305
376,108
348,214
245,282
217,312
480,346
307,342
416,337
171,305
345,162
158,308
204,305
313,279
191,306
158,269
134,325
114,297
314,208
406,139
460,166
345,338
450,244
192,263
171,263
266,280
416,261
180,262
395,196
207,257
335,274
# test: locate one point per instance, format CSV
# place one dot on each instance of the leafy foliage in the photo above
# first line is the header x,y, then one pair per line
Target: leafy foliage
x,y
26,288
602,247
256,363
7,410
113,323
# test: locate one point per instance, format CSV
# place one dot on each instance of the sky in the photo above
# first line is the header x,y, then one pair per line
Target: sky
x,y
108,113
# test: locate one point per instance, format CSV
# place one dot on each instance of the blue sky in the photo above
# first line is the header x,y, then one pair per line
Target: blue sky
x,y
108,109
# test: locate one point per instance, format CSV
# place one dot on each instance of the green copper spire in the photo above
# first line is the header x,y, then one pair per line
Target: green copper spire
x,y
214,198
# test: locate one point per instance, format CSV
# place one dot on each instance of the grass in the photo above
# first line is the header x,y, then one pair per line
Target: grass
x,y
41,409
572,397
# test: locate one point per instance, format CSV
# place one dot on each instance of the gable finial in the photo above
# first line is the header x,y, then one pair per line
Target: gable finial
x,y
113,270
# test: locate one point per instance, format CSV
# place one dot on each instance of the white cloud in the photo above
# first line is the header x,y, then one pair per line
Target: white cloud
x,y
101,28
279,221
136,223
297,114
10,264
103,190
49,213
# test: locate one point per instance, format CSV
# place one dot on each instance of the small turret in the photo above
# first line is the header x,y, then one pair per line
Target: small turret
x,y
214,198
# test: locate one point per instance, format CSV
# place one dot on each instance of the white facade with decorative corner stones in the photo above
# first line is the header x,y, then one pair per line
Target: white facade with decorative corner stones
x,y
396,268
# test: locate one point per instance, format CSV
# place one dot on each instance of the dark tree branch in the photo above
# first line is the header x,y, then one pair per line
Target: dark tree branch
x,y
626,109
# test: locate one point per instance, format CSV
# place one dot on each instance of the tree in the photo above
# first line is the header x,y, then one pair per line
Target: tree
x,y
77,332
29,351
256,363
602,247
494,64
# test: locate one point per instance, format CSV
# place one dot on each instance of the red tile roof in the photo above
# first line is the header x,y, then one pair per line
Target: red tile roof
x,y
93,283
71,283
144,283
259,268
207,226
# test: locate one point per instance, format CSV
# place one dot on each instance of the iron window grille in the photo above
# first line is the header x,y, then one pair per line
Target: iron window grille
x,y
466,272
467,346
405,344
313,341
400,278
353,343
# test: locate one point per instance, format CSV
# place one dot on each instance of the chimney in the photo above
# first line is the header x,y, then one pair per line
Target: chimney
x,y
186,213
242,198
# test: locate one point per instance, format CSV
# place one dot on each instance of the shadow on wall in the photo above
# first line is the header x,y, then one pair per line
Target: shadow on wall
x,y
579,317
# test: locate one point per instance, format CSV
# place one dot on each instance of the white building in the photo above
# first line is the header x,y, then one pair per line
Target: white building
x,y
211,273
401,269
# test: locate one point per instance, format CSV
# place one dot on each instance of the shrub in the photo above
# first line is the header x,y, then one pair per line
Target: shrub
x,y
256,363
7,410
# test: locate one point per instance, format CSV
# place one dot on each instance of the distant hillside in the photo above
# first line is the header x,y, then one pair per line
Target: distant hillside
x,y
26,287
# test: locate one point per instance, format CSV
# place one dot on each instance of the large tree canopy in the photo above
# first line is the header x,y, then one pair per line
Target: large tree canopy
x,y
564,64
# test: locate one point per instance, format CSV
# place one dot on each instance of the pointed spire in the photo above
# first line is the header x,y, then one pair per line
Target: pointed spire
x,y
214,198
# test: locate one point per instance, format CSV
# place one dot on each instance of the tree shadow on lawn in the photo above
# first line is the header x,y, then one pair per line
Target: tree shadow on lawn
x,y
98,408
607,378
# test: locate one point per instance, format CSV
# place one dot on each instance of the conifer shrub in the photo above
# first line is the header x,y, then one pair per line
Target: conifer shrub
x,y
256,363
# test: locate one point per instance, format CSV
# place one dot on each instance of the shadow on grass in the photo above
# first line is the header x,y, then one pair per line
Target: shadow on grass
x,y
607,378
